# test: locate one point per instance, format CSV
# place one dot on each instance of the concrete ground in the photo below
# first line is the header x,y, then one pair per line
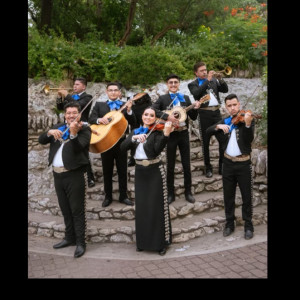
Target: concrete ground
x,y
210,256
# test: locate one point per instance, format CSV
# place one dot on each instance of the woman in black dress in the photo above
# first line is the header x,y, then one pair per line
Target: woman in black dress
x,y
152,217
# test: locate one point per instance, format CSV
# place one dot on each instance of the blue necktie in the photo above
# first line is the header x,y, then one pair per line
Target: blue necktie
x,y
141,130
228,122
180,97
66,135
114,104
200,81
75,97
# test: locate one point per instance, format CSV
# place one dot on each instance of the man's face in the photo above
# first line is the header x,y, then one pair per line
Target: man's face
x,y
232,106
201,72
78,87
113,92
173,85
71,114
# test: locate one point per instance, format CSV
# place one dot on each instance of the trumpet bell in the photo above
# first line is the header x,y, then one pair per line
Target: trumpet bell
x,y
228,70
46,89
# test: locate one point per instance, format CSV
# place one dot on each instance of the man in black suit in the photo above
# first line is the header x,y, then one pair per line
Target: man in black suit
x,y
179,137
68,155
235,140
100,109
80,96
209,112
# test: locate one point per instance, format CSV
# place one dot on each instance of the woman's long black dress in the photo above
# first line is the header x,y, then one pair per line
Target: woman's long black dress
x,y
152,217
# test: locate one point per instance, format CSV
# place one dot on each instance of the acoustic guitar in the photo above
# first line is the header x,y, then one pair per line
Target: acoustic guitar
x,y
180,113
104,137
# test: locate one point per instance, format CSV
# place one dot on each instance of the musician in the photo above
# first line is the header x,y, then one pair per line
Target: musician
x,y
138,108
209,113
79,95
179,137
68,156
236,141
113,91
152,217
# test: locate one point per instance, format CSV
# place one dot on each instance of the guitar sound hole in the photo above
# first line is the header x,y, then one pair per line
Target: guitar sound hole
x,y
176,115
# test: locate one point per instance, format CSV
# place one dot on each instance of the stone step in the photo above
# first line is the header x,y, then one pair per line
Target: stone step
x,y
183,229
203,188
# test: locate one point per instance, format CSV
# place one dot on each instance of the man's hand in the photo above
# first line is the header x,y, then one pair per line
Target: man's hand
x,y
223,127
57,134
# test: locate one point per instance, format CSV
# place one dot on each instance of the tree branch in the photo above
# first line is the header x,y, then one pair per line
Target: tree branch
x,y
129,22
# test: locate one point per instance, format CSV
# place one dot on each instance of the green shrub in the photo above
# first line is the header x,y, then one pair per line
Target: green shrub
x,y
146,65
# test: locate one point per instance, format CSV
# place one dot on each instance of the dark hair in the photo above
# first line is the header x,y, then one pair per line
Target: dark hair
x,y
114,83
82,80
198,65
172,76
72,104
231,96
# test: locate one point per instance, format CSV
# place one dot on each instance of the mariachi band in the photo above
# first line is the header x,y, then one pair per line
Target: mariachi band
x,y
113,127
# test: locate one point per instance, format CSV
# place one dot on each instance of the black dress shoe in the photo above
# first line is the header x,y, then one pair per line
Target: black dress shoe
x,y
248,234
91,183
106,202
171,198
189,198
209,174
131,162
139,249
227,231
63,243
79,251
126,201
162,251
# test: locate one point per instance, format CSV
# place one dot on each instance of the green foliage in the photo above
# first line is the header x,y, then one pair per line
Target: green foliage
x,y
146,65
236,36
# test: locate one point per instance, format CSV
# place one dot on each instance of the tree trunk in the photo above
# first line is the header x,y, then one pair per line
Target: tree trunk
x,y
129,22
46,13
164,31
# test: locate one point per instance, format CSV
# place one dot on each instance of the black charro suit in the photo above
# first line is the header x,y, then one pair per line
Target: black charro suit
x,y
83,100
177,138
99,110
71,186
208,117
236,173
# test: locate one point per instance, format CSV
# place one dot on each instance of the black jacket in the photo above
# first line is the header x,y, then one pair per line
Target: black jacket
x,y
200,91
164,101
83,101
75,151
244,136
156,142
101,109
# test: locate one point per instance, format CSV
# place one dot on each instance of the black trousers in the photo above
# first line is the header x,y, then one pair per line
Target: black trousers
x,y
208,118
89,170
180,139
71,188
237,173
108,158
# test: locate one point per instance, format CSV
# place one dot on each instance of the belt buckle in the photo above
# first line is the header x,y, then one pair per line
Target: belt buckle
x,y
145,163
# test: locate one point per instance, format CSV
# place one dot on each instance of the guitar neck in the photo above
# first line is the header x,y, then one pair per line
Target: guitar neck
x,y
190,107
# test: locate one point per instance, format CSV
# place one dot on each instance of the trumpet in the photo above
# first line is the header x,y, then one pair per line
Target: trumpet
x,y
46,89
227,71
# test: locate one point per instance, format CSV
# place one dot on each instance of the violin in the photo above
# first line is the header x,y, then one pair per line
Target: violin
x,y
240,116
159,126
